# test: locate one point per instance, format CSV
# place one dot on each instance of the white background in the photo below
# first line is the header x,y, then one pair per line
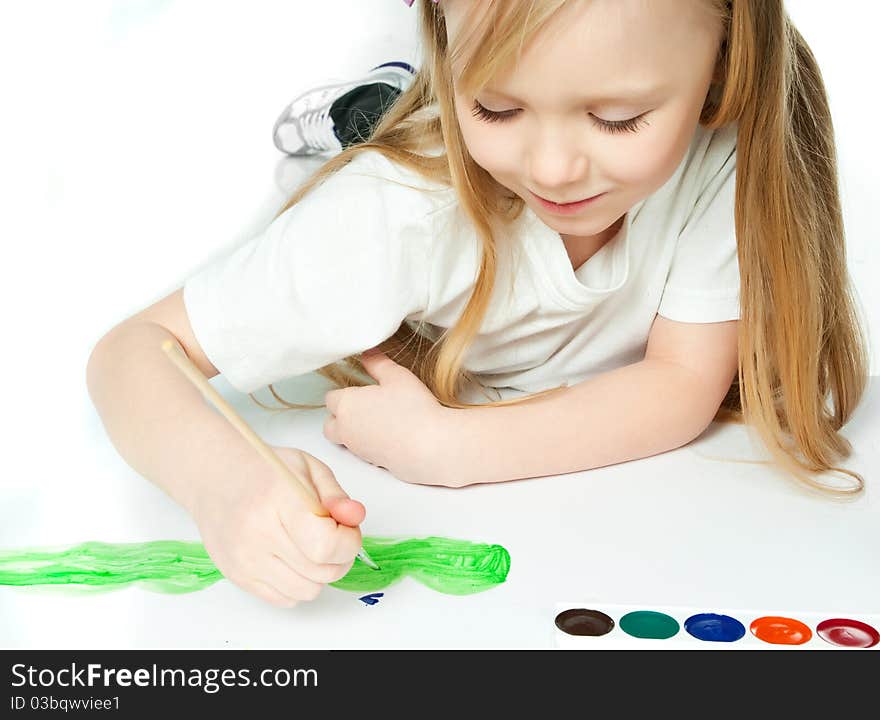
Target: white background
x,y
136,146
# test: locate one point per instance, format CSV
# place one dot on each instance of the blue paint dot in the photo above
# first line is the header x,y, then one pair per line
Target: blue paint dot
x,y
371,599
715,628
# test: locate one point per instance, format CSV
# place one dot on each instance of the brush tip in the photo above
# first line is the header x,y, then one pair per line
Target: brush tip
x,y
368,561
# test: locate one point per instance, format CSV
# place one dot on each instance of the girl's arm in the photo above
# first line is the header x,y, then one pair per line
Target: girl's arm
x,y
154,417
254,525
643,409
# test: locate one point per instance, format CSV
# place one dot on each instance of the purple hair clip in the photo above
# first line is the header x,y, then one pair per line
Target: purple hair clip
x,y
410,2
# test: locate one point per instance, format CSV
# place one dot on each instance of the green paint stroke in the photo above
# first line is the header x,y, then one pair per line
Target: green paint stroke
x,y
455,567
168,566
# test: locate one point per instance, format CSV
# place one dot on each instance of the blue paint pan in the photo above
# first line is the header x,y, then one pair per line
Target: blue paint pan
x,y
714,628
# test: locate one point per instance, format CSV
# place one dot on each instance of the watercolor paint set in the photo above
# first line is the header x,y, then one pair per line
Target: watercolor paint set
x,y
595,626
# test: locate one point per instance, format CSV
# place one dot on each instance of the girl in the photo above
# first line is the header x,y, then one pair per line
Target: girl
x,y
627,211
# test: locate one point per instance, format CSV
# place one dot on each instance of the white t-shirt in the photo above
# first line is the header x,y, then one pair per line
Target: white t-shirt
x,y
377,244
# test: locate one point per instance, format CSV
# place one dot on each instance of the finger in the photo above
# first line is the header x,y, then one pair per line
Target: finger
x,y
378,365
346,511
332,398
341,507
331,430
322,539
295,559
269,594
287,582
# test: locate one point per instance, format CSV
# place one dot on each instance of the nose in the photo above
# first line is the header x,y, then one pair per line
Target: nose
x,y
556,162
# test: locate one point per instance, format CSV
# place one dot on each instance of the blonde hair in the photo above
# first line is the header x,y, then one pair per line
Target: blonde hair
x,y
799,335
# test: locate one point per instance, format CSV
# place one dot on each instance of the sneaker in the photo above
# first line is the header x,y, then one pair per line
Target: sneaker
x,y
306,128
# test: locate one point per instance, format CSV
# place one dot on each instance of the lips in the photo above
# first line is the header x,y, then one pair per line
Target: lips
x,y
567,202
569,208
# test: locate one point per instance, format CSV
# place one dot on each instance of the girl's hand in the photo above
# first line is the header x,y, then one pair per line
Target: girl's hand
x,y
265,540
396,424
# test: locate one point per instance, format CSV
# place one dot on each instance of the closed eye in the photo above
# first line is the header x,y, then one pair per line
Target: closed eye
x,y
611,126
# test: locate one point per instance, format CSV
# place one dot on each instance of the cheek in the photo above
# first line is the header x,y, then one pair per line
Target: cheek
x,y
651,158
486,147
641,164
488,144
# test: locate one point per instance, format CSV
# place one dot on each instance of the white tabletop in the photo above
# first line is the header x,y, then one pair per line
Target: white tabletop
x,y
673,529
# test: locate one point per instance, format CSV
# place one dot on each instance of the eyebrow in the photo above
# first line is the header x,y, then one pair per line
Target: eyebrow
x,y
635,95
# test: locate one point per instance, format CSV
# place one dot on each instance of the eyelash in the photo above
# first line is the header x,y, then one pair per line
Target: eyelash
x,y
616,126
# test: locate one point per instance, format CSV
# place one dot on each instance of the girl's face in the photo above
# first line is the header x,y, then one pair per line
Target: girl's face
x,y
605,100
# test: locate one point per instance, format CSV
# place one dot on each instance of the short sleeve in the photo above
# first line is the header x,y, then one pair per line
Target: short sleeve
x,y
333,275
703,281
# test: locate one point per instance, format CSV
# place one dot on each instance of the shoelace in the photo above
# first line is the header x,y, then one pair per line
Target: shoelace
x,y
314,124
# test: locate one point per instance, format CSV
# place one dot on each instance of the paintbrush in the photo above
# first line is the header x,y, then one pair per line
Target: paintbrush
x,y
197,377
